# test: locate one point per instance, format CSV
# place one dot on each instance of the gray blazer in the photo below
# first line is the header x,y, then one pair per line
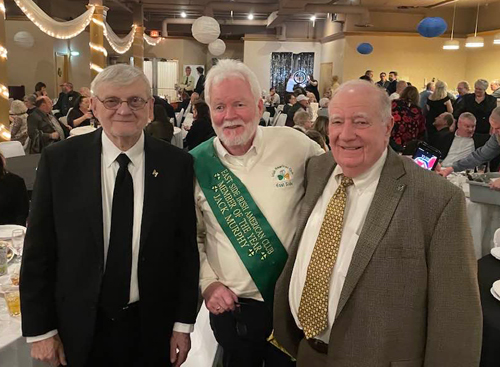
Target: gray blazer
x,y
410,297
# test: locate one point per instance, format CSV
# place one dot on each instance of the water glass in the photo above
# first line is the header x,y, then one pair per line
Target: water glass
x,y
18,240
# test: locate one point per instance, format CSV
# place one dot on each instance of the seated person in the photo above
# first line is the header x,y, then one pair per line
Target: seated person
x,y
80,115
302,121
462,142
301,104
444,124
18,117
160,127
290,100
482,155
323,107
272,101
202,129
14,203
316,136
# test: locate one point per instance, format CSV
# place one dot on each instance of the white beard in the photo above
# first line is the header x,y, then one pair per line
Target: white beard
x,y
234,139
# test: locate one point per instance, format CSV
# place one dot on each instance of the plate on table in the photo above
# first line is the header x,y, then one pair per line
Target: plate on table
x,y
495,252
495,290
6,230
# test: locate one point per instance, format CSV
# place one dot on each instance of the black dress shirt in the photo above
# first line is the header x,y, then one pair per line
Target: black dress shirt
x,y
481,111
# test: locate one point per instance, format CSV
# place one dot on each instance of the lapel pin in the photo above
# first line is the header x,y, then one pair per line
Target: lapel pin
x,y
401,187
155,173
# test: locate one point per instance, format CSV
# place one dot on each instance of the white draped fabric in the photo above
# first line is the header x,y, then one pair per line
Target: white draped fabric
x,y
54,28
120,45
152,41
147,67
167,77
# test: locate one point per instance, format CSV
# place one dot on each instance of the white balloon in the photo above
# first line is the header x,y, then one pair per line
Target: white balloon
x,y
205,30
217,47
24,39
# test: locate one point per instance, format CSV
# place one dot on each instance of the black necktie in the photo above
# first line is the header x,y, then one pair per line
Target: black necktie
x,y
115,291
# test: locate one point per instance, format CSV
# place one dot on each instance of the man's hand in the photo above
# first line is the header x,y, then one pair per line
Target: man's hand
x,y
54,135
219,298
443,171
180,344
50,351
495,185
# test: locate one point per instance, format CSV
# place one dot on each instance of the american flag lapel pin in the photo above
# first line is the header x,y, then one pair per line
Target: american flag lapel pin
x,y
155,173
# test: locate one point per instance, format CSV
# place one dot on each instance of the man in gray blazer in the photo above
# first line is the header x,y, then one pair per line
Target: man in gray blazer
x,y
382,270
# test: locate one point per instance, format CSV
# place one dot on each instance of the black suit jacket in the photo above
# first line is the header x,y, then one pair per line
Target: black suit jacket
x,y
443,141
200,85
63,262
39,130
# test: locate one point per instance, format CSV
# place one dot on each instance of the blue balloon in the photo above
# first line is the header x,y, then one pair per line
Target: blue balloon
x,y
432,27
365,48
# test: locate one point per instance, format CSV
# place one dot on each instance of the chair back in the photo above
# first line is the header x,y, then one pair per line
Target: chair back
x,y
281,120
12,149
266,115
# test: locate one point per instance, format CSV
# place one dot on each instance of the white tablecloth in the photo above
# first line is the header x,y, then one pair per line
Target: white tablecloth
x,y
484,219
177,138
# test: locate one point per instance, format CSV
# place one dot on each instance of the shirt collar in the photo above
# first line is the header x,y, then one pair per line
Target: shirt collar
x,y
463,137
364,180
110,151
255,148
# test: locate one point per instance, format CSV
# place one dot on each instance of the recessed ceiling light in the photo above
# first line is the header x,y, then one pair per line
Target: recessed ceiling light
x,y
250,16
313,18
183,14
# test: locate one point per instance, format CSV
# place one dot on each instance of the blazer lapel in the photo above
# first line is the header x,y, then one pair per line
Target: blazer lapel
x,y
385,201
152,187
90,161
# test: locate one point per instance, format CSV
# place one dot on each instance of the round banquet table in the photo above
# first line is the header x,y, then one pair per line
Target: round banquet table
x,y
177,138
14,351
484,220
488,273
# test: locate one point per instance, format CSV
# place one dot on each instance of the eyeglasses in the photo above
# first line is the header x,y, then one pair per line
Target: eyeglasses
x,y
114,103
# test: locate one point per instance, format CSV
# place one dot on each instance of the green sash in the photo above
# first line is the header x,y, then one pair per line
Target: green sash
x,y
250,233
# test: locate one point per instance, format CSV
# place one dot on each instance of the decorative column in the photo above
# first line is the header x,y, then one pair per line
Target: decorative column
x,y
4,92
138,46
98,53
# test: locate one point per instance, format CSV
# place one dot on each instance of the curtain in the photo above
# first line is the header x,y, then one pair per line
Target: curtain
x,y
61,30
281,67
167,77
285,65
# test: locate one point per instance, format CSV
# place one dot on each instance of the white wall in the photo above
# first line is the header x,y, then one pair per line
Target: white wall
x,y
257,56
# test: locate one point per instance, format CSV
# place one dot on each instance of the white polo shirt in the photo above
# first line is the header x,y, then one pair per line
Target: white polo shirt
x,y
273,172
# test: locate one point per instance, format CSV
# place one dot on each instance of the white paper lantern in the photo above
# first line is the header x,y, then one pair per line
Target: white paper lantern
x,y
217,47
205,30
24,39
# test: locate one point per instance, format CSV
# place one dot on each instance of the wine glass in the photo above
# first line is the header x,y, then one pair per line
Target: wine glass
x,y
18,241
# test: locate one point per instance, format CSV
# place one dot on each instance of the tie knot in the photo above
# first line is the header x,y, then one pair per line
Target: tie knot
x,y
123,160
346,181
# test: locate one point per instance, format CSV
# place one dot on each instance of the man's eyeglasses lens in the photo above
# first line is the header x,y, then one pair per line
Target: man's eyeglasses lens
x,y
134,103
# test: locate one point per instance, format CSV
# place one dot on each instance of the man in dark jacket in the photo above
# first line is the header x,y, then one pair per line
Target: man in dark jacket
x,y
200,84
66,99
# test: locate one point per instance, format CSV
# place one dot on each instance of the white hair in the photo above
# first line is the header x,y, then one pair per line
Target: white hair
x,y
323,102
17,108
229,68
496,112
120,75
482,83
384,101
495,81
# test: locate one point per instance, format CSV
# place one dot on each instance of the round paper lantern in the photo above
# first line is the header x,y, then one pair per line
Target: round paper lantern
x,y
217,47
205,30
24,39
432,27
365,48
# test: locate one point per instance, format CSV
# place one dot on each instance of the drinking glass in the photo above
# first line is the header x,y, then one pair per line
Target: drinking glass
x,y
18,240
13,300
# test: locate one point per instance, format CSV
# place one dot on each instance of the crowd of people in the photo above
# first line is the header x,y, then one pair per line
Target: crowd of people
x,y
310,244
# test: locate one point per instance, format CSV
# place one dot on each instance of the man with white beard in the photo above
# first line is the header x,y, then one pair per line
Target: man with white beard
x,y
249,186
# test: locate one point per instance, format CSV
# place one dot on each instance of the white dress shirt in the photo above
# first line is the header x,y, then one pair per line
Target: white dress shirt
x,y
460,148
359,199
276,151
109,170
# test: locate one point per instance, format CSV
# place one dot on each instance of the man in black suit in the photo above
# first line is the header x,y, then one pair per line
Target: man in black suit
x,y
460,143
43,128
66,99
393,82
200,84
110,267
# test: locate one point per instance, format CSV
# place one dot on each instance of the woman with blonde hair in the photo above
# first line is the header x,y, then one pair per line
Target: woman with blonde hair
x,y
437,103
18,118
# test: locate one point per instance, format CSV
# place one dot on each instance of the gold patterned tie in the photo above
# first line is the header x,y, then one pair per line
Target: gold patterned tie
x,y
313,309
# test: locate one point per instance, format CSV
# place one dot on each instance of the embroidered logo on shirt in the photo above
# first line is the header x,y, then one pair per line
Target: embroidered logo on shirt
x,y
283,176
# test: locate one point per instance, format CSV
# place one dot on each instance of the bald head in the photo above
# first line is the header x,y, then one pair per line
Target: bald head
x,y
400,86
44,104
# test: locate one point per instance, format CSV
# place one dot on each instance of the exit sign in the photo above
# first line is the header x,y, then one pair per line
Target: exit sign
x,y
155,33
